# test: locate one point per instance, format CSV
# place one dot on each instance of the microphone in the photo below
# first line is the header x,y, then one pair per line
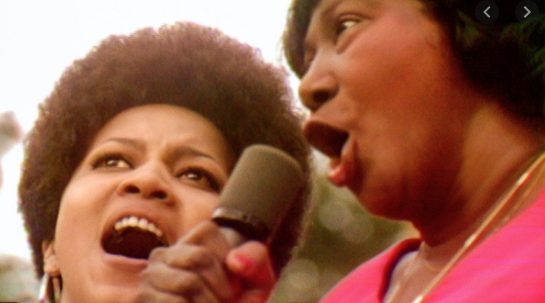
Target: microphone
x,y
260,190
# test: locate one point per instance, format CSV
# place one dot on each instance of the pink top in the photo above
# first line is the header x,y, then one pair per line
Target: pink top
x,y
509,266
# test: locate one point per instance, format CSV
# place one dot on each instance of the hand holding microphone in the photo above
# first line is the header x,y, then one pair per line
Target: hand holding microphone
x,y
227,261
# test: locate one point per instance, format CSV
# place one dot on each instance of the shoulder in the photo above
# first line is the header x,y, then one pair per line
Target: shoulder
x,y
368,281
512,256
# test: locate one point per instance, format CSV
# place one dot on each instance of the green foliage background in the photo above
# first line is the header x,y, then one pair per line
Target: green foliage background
x,y
339,236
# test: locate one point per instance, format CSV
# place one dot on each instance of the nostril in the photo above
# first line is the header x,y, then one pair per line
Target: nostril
x,y
318,99
159,194
131,189
321,97
145,189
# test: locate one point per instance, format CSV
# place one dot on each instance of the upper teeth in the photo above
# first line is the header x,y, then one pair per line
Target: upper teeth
x,y
141,223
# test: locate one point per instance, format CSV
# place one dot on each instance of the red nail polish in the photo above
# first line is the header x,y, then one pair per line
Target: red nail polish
x,y
245,263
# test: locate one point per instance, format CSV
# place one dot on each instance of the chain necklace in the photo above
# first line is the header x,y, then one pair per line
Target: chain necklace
x,y
484,228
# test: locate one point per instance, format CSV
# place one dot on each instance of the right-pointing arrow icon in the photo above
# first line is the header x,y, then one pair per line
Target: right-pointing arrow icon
x,y
486,11
526,9
528,12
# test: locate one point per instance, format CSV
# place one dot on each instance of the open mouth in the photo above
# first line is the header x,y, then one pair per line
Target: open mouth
x,y
327,139
133,237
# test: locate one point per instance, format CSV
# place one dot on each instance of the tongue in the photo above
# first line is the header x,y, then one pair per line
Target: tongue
x,y
132,243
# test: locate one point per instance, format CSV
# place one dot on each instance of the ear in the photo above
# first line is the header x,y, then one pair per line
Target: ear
x,y
50,259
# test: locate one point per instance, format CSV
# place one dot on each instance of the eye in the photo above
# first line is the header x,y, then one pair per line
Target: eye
x,y
200,178
344,24
111,161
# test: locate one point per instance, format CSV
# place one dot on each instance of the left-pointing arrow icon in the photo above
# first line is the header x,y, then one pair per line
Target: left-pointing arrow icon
x,y
486,11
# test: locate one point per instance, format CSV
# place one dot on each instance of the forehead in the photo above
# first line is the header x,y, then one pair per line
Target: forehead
x,y
325,7
155,112
328,5
325,14
159,119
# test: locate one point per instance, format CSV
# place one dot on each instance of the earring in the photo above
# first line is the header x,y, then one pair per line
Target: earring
x,y
50,289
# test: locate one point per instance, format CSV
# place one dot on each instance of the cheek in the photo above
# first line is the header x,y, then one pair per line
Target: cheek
x,y
79,216
196,206
385,65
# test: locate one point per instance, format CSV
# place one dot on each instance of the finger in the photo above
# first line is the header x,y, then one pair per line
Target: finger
x,y
205,297
160,280
201,261
160,277
251,262
254,296
186,256
208,234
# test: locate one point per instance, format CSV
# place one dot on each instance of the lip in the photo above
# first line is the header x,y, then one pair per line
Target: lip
x,y
123,263
345,169
325,137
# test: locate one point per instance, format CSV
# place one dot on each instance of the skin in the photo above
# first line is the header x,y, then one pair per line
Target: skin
x,y
404,128
377,89
167,164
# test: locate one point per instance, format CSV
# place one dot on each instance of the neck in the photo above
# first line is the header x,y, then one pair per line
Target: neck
x,y
498,148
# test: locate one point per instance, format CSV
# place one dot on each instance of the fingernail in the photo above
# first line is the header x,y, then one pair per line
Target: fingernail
x,y
244,263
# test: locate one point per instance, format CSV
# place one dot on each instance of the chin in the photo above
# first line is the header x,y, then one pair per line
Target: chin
x,y
125,293
120,296
105,278
380,205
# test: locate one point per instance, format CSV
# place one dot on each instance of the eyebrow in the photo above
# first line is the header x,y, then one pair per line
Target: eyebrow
x,y
325,13
187,152
325,16
332,6
125,141
322,15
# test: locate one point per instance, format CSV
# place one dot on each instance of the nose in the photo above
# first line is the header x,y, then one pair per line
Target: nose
x,y
146,182
318,85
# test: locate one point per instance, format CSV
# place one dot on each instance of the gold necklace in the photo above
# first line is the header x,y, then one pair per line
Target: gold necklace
x,y
481,230
429,267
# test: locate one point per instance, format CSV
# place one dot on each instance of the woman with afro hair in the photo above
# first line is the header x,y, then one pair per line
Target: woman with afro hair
x,y
130,152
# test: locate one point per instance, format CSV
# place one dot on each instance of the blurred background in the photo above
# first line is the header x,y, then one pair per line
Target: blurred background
x,y
41,38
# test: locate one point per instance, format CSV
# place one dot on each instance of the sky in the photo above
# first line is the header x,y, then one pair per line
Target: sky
x,y
39,39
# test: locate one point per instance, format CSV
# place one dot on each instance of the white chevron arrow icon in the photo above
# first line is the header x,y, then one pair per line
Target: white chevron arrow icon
x,y
488,8
528,12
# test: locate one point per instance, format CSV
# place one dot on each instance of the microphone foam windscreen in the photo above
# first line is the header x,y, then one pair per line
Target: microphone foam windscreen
x,y
263,184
